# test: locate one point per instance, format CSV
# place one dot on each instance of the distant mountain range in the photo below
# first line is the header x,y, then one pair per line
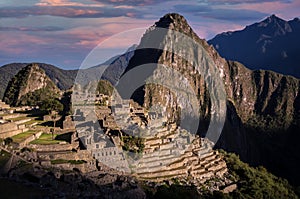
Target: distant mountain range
x,y
64,79
272,44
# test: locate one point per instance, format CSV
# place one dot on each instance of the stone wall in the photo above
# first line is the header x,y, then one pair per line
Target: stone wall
x,y
79,155
3,105
9,126
54,147
9,116
113,157
10,129
68,123
84,168
23,121
47,118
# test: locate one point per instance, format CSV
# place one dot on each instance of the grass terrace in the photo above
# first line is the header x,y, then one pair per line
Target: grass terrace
x,y
47,139
22,136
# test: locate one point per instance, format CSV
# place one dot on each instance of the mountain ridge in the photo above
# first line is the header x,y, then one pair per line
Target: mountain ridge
x,y
272,44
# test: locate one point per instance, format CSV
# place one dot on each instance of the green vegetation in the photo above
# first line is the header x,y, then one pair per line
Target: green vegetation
x,y
105,87
62,161
22,136
256,182
133,144
14,86
51,104
268,123
38,97
46,139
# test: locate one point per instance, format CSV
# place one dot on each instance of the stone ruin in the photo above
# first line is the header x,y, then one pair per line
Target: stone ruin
x,y
68,123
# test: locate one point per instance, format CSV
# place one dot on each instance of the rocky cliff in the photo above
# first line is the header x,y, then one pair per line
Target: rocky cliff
x,y
262,106
29,86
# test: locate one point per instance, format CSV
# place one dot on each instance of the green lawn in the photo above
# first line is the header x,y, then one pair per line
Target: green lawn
x,y
46,139
22,136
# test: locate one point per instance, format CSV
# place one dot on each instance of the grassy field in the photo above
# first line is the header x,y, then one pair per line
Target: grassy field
x,y
22,136
46,139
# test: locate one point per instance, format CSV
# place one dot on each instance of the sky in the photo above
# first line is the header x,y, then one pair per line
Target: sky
x,y
64,32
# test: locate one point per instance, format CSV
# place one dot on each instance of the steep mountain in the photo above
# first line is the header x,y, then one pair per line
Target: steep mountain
x,y
62,78
262,106
271,44
30,86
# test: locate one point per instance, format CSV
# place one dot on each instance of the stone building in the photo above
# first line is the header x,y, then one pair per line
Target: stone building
x,y
68,123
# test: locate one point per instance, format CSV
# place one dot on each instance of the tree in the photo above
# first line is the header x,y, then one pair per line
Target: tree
x,y
52,107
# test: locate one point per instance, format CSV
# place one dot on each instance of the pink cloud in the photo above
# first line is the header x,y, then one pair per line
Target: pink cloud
x,y
66,3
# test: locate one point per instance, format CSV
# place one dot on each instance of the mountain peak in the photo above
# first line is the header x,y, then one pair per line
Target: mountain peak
x,y
173,21
33,67
274,17
28,85
172,17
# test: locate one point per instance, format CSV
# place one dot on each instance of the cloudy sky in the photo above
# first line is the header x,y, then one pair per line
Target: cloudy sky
x,y
63,32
